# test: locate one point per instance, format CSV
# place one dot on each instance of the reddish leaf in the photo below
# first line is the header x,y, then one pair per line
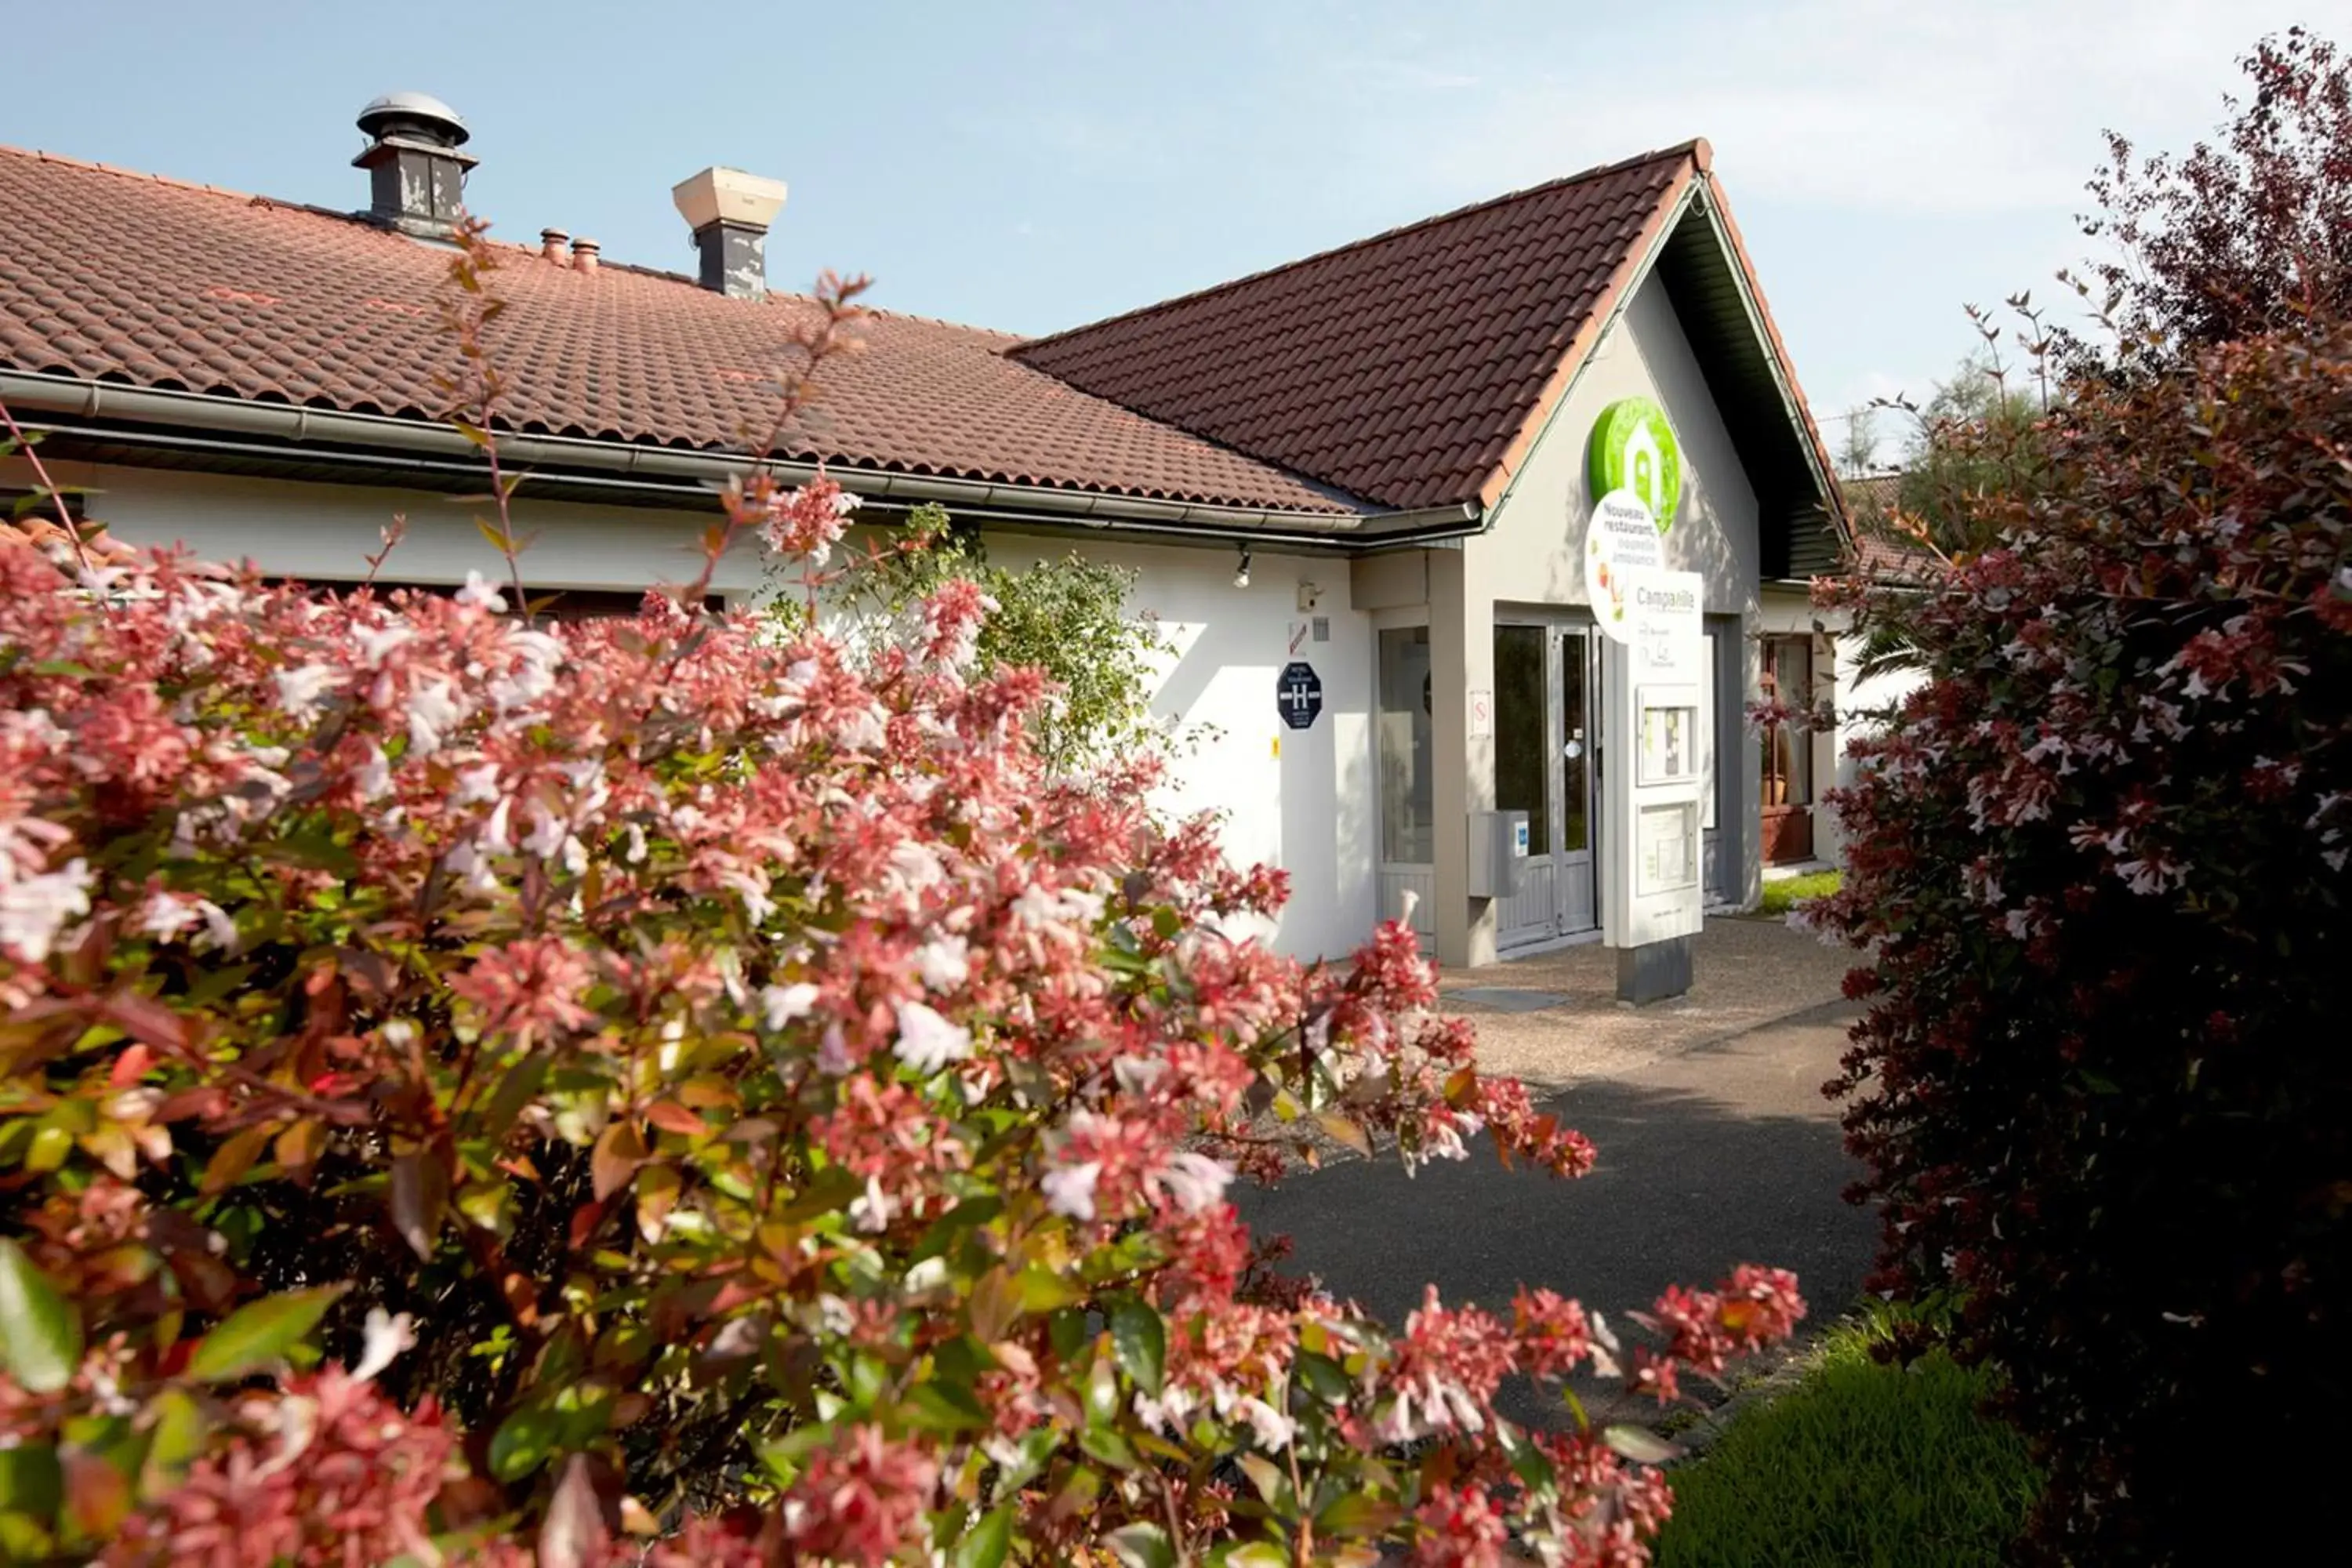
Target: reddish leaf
x,y
1345,1130
298,1147
97,1495
420,1190
671,1117
145,1019
585,1220
619,1152
232,1159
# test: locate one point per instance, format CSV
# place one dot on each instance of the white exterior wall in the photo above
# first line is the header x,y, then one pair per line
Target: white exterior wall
x,y
1856,702
1532,556
1302,800
323,532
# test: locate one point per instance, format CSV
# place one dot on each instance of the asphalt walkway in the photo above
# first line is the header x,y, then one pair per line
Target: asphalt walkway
x,y
1715,1146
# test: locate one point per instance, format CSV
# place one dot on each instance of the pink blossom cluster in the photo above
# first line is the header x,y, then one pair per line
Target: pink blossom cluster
x,y
739,1038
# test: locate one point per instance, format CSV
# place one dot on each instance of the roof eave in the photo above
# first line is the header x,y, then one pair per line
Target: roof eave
x,y
320,430
1718,212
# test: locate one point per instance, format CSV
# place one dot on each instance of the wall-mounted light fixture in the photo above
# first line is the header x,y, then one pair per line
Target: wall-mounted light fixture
x,y
1241,573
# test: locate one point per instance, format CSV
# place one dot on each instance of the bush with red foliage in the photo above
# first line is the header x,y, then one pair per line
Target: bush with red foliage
x,y
2247,235
2100,862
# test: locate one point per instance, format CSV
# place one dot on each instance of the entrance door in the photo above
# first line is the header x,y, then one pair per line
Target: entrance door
x,y
1544,754
1579,911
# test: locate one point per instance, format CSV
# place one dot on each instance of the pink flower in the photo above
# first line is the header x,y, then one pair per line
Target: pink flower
x,y
927,1041
33,909
1070,1189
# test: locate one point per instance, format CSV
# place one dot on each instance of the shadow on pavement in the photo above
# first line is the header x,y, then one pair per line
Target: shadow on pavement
x,y
1687,1185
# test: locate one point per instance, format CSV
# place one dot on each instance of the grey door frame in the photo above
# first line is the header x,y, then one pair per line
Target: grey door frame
x,y
1574,904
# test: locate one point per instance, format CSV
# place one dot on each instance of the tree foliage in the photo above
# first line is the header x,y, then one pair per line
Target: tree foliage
x,y
2247,235
1067,615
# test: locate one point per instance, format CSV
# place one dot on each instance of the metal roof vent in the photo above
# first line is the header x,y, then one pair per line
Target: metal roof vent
x,y
417,176
729,212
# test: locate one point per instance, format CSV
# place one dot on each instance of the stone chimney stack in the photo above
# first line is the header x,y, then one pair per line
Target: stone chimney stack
x,y
729,212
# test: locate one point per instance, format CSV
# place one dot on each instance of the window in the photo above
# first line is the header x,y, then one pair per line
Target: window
x,y
1522,750
1788,750
1407,768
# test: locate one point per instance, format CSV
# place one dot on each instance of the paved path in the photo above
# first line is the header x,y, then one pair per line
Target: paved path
x,y
1716,1150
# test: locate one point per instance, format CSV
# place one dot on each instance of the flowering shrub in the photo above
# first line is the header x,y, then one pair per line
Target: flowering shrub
x,y
642,1090
2099,861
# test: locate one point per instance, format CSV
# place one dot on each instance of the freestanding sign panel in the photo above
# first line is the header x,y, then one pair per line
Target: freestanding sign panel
x,y
1651,685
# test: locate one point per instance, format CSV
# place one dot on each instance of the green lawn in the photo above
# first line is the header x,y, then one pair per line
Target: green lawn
x,y
1788,892
1860,1465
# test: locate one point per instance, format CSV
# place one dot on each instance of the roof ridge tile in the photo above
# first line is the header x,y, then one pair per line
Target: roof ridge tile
x,y
1688,148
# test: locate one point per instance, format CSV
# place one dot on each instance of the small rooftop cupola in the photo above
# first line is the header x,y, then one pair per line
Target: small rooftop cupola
x,y
417,175
729,212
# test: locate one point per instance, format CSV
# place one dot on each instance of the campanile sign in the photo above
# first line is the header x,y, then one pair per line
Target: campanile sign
x,y
1654,690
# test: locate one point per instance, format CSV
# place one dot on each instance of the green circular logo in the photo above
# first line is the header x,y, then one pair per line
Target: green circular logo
x,y
1633,449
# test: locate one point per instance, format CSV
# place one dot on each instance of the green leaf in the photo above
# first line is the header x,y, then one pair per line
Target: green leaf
x,y
523,1441
260,1333
986,1542
1066,1332
30,1481
180,1427
1271,1483
1576,1408
1323,1377
1103,1443
1143,1546
1140,1342
1035,1450
515,1088
1253,1554
1640,1444
1043,1291
40,1330
945,1407
315,851
1357,1513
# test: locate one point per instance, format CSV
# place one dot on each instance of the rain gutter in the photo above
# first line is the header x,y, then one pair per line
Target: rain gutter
x,y
288,432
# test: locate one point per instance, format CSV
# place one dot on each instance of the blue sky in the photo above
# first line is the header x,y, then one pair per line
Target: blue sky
x,y
1036,165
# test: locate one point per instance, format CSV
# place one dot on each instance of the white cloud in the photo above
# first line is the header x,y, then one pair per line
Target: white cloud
x,y
1990,106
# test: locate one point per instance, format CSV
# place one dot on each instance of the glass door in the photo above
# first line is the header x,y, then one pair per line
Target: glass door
x,y
1544,766
1524,750
1576,908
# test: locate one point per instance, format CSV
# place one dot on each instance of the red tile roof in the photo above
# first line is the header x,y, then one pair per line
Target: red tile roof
x,y
110,275
1402,368
1881,550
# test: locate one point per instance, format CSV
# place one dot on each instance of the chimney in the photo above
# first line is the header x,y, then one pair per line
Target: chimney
x,y
583,255
551,242
729,212
417,176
